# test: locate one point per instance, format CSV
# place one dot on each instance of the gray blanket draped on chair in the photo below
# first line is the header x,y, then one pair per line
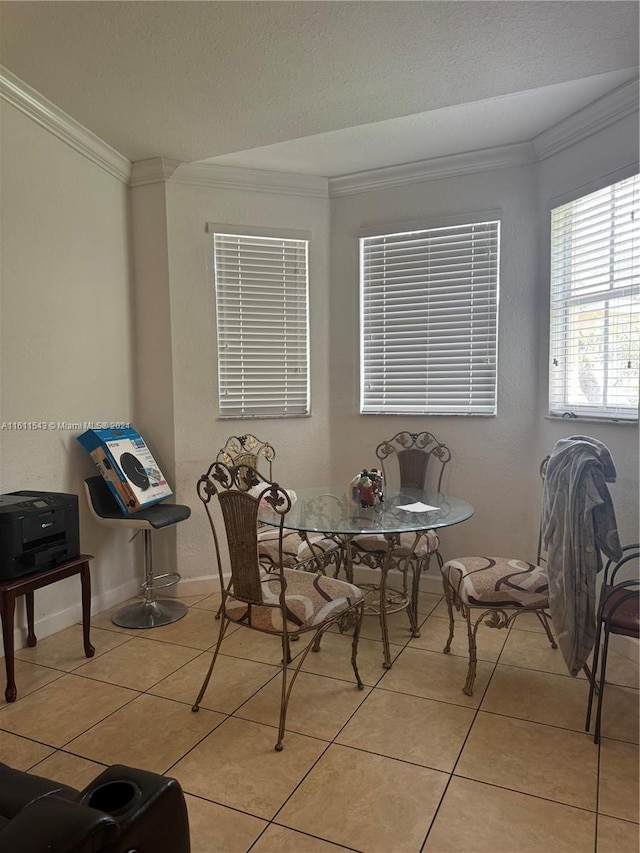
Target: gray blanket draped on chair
x,y
578,521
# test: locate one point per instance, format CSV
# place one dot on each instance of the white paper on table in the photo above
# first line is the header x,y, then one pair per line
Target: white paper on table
x,y
418,507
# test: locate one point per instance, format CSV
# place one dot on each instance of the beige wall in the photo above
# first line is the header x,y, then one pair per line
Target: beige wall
x,y
599,160
80,342
494,461
65,334
302,444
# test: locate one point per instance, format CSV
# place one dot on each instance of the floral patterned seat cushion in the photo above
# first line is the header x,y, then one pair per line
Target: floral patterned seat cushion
x,y
428,543
311,599
498,582
294,548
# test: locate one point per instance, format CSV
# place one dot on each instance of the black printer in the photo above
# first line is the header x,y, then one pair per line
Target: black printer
x,y
38,530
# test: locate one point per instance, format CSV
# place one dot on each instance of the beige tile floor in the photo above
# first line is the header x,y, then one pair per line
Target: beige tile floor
x,y
408,764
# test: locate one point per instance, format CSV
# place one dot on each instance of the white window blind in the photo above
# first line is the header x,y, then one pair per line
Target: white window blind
x,y
595,304
263,327
428,321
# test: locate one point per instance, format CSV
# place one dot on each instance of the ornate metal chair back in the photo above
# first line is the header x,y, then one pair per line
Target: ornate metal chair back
x,y
406,460
238,491
248,450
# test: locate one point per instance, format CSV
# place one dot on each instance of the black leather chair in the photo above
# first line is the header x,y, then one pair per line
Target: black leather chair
x,y
149,612
124,810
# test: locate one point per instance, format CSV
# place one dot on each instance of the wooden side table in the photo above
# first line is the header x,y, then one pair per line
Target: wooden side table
x,y
11,589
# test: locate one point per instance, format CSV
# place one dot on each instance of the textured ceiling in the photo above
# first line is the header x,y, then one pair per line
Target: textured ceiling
x,y
196,80
489,123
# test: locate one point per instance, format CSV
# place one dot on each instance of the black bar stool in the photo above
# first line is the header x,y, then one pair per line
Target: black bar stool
x,y
149,612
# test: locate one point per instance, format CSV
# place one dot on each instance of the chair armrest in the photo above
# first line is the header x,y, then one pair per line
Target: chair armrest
x,y
149,810
17,789
57,825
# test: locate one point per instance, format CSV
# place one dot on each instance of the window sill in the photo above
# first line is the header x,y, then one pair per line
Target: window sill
x,y
579,420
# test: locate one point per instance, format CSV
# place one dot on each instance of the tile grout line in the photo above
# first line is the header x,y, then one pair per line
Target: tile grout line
x,y
328,746
455,764
332,742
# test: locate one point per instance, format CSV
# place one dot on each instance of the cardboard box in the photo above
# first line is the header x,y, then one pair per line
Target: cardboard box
x,y
126,463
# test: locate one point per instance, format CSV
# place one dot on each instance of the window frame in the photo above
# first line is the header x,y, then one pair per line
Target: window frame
x,y
559,306
243,409
488,217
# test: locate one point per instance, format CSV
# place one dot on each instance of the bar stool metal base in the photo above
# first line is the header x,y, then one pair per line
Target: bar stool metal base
x,y
149,614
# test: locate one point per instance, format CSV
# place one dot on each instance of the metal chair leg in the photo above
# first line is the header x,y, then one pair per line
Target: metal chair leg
x,y
412,615
544,619
473,654
448,592
594,675
284,697
354,644
603,671
224,624
288,687
384,628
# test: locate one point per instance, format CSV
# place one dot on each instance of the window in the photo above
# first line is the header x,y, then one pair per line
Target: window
x,y
428,321
595,304
261,285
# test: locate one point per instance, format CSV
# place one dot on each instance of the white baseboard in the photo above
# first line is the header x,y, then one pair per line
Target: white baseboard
x,y
428,583
194,586
363,574
54,622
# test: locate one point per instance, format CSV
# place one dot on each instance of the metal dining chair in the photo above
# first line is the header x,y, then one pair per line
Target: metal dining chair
x,y
281,602
618,613
499,589
309,551
407,461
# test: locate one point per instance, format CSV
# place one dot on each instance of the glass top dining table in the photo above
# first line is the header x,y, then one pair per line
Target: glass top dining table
x,y
328,509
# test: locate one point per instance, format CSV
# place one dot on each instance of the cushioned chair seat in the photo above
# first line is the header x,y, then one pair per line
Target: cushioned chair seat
x,y
626,618
376,542
294,548
498,581
310,600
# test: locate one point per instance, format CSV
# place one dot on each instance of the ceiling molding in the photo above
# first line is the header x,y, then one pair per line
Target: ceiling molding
x,y
16,92
488,159
156,170
594,117
256,180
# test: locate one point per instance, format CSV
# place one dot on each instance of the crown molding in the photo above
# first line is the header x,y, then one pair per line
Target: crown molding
x,y
159,170
608,109
255,180
20,95
485,160
156,170
612,107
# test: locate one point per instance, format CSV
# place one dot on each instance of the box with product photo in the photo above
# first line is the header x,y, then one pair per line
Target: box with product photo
x,y
129,469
